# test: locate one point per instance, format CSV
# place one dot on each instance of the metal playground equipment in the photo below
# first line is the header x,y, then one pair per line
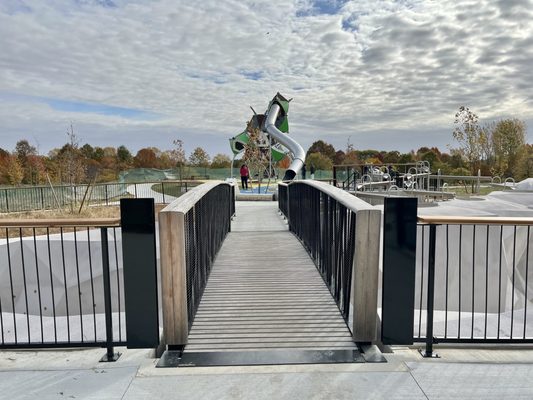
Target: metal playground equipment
x,y
370,177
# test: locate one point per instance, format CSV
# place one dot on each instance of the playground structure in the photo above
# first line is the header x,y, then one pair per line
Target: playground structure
x,y
370,177
273,140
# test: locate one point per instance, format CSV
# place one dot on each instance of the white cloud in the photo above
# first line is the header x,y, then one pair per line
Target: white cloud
x,y
383,72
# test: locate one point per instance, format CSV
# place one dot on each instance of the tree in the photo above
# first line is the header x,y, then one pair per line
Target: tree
x,y
23,150
72,156
319,160
87,151
14,173
199,158
508,138
366,155
221,161
178,153
339,157
323,148
470,136
391,157
256,159
351,158
98,153
124,155
145,158
406,158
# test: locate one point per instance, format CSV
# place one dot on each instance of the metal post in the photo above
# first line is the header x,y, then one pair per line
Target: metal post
x,y
478,181
334,176
42,198
163,191
431,296
7,201
106,199
110,354
135,187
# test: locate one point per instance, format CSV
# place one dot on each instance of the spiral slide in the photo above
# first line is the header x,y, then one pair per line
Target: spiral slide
x,y
274,126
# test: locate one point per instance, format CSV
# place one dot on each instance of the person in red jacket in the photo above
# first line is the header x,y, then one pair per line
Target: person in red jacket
x,y
245,174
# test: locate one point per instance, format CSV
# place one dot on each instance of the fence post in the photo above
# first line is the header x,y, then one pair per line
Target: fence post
x,y
106,195
140,272
431,297
366,275
163,191
173,277
7,201
399,266
110,354
42,198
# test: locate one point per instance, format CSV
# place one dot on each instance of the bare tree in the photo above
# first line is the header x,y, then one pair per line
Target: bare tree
x,y
178,156
256,156
471,137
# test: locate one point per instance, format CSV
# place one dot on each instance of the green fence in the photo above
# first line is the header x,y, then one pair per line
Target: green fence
x,y
197,173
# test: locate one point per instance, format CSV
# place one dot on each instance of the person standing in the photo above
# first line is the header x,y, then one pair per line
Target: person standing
x,y
303,171
312,170
245,174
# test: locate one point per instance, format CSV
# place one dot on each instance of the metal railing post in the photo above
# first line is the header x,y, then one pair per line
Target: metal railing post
x,y
431,294
110,354
163,191
7,201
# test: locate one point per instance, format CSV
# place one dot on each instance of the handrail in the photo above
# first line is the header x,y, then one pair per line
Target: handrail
x,y
330,222
187,201
463,177
456,220
191,231
346,199
58,222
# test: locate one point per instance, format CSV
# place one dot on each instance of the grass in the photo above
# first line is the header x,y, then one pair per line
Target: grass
x,y
465,192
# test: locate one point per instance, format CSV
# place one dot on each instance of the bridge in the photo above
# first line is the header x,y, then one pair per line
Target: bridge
x,y
245,283
265,301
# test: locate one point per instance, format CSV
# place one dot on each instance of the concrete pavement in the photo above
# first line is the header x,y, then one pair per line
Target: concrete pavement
x,y
459,374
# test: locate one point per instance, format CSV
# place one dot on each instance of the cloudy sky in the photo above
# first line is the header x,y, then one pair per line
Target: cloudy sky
x,y
382,74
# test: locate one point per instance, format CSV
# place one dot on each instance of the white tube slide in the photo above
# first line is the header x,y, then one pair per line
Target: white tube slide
x,y
298,153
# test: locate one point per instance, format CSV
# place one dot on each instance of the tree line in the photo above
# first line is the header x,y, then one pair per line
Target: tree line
x,y
73,163
496,148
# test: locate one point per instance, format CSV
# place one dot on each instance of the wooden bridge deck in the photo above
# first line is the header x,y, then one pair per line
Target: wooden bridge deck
x,y
265,293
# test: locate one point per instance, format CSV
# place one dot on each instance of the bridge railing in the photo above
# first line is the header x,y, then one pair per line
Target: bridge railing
x,y
341,233
191,230
472,280
68,282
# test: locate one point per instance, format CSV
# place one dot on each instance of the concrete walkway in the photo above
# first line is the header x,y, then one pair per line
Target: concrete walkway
x,y
459,374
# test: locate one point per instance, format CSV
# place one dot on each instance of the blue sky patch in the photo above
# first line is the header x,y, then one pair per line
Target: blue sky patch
x,y
75,106
328,7
12,7
252,75
102,3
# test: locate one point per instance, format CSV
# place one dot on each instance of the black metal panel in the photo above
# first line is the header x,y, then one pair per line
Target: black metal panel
x,y
399,265
234,358
140,273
